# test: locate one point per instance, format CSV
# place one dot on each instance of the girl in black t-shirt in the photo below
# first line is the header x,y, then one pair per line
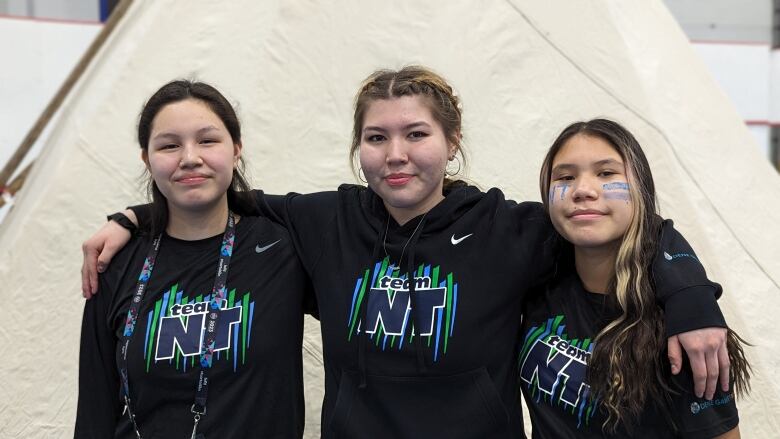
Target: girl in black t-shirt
x,y
592,362
199,330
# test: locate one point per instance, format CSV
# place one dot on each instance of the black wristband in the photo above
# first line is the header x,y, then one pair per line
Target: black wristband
x,y
121,219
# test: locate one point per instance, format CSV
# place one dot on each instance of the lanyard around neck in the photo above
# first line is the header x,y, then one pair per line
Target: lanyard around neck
x,y
218,295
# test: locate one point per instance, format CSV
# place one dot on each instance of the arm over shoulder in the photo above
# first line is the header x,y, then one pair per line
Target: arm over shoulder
x,y
689,298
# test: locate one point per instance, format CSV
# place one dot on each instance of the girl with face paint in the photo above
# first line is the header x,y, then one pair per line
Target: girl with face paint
x,y
597,322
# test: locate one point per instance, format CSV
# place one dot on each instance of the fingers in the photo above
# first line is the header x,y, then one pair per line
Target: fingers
x,y
98,251
699,370
116,237
86,289
88,272
674,350
708,363
725,367
713,370
108,253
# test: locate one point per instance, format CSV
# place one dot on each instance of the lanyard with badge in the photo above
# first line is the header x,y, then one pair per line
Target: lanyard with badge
x,y
218,295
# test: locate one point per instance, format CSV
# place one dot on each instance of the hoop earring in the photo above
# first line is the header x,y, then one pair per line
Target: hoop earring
x,y
360,175
452,174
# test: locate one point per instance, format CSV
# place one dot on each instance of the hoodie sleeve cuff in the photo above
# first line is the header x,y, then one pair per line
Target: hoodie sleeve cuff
x,y
693,308
143,213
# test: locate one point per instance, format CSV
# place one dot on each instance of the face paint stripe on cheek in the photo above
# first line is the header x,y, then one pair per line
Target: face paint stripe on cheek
x,y
616,191
563,190
551,196
615,186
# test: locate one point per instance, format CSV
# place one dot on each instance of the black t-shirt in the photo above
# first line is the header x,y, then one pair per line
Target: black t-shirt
x,y
559,328
256,376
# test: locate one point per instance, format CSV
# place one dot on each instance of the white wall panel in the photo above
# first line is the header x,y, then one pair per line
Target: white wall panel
x,y
724,20
761,134
41,54
774,89
742,71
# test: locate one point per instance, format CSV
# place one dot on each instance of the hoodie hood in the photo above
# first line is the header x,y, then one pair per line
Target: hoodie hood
x,y
459,198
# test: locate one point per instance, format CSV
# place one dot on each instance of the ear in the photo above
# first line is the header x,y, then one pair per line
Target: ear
x,y
236,152
454,147
145,158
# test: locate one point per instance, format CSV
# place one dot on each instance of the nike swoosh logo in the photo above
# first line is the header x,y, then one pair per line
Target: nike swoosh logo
x,y
262,249
458,241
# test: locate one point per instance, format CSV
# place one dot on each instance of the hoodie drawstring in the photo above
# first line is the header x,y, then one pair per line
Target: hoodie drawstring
x,y
362,342
362,337
413,301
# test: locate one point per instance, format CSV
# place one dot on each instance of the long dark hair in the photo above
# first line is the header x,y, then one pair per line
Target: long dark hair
x,y
238,194
625,370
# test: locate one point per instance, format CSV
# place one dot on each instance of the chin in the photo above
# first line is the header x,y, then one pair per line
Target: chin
x,y
397,199
586,241
196,204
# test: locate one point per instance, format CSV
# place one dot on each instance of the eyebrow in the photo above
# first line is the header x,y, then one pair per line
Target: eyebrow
x,y
568,166
405,127
170,135
608,162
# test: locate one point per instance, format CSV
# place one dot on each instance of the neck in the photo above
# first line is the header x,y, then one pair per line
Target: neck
x,y
191,225
595,267
403,215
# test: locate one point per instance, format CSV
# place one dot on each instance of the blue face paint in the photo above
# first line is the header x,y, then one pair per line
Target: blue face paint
x,y
616,191
551,196
614,186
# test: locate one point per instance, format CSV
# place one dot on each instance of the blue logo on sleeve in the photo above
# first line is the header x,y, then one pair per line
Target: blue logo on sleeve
x,y
669,257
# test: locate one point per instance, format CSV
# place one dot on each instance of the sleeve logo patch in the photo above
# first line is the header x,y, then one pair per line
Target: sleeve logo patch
x,y
669,257
698,407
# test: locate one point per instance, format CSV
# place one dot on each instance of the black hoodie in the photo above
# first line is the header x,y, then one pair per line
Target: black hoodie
x,y
475,256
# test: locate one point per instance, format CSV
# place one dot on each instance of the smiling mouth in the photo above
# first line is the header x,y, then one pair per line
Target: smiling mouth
x,y
586,215
194,179
397,179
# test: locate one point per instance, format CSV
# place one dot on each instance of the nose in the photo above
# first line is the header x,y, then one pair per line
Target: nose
x,y
396,152
585,188
190,156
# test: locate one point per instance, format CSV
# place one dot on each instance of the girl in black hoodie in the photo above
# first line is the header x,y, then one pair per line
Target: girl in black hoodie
x,y
420,279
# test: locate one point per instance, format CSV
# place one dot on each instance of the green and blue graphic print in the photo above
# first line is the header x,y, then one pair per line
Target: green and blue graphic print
x,y
553,368
176,327
388,303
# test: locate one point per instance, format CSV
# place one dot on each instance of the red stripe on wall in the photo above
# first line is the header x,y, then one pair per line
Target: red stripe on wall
x,y
762,123
733,43
50,20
